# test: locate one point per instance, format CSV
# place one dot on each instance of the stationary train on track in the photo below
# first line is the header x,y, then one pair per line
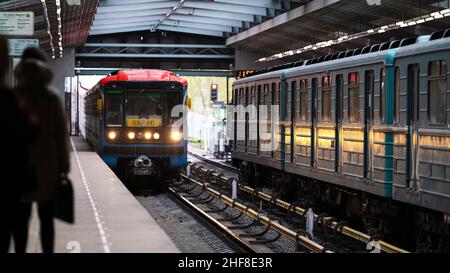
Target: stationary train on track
x,y
364,132
128,120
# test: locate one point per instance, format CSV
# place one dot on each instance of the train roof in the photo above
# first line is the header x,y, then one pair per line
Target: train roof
x,y
350,57
143,75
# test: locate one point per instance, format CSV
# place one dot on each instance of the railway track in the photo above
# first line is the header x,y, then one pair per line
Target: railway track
x,y
292,210
194,198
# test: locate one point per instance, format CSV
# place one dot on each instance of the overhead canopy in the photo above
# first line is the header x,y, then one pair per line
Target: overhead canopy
x,y
220,18
323,20
75,19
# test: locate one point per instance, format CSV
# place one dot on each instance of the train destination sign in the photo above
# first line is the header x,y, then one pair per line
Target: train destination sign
x,y
17,46
17,23
143,122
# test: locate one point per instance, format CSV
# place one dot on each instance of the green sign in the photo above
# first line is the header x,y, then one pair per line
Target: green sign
x,y
17,46
20,23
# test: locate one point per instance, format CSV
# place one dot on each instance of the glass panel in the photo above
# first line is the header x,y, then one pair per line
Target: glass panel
x,y
382,93
304,100
353,97
437,97
437,101
326,105
114,110
397,95
144,105
174,98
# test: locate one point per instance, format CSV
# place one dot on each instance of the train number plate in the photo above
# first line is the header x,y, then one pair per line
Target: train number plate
x,y
153,122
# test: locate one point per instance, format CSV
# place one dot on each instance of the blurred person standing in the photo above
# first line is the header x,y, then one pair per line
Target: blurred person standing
x,y
50,152
17,134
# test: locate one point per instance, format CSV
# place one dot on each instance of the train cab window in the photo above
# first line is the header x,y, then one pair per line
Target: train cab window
x,y
144,104
235,99
437,87
114,110
397,95
382,93
353,97
173,99
326,98
303,100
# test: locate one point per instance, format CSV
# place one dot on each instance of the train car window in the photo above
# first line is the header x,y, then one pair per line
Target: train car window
x,y
339,97
235,99
114,109
326,98
382,93
246,96
241,96
397,95
303,100
369,93
353,97
292,94
437,87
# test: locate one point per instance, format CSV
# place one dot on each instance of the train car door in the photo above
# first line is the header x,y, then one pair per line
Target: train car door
x,y
412,117
339,109
314,87
368,118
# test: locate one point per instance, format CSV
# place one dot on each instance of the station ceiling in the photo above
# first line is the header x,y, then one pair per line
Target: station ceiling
x,y
323,20
59,24
263,27
220,18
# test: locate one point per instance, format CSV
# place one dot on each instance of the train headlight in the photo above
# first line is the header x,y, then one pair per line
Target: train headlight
x,y
112,135
148,135
156,136
131,135
176,135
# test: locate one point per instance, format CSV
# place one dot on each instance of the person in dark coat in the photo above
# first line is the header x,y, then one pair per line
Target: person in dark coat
x,y
49,154
16,174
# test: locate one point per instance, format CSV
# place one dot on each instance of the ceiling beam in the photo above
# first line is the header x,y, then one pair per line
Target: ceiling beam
x,y
216,14
155,45
191,30
127,7
154,56
116,15
113,21
236,8
280,20
207,20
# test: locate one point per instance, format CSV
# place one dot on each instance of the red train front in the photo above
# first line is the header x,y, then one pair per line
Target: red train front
x,y
134,121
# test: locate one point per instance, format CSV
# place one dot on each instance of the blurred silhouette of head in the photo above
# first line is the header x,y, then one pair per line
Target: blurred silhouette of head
x,y
33,72
34,53
4,59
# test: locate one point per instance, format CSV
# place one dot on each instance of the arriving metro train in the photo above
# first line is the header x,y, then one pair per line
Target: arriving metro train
x,y
129,122
364,132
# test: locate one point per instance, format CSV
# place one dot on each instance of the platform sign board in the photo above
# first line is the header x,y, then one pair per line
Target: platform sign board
x,y
20,23
17,46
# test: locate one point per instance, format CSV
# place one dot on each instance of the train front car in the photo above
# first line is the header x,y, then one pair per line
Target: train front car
x,y
134,119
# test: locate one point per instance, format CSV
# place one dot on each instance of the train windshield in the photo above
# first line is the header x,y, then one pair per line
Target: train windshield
x,y
114,110
144,109
174,98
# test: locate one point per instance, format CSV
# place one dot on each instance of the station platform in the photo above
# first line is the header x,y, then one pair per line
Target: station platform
x,y
208,157
108,217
